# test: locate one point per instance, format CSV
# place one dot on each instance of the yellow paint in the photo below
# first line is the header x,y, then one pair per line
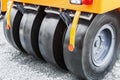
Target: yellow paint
x,y
73,31
4,5
60,9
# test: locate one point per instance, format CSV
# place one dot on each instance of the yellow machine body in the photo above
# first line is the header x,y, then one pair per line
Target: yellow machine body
x,y
4,5
98,6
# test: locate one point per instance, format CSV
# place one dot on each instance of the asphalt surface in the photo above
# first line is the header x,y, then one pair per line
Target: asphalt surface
x,y
15,65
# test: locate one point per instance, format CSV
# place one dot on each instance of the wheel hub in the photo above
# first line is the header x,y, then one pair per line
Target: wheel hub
x,y
103,45
97,42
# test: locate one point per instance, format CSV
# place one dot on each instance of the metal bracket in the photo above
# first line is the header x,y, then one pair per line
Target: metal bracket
x,y
21,8
66,18
32,7
84,15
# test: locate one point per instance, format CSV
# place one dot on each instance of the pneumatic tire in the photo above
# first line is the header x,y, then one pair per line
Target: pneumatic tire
x,y
96,49
12,34
29,31
51,36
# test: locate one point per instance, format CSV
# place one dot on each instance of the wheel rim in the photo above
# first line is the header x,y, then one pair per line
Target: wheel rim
x,y
103,45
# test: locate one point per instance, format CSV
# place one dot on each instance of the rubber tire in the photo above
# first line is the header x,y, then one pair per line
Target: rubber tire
x,y
51,39
29,31
12,35
79,61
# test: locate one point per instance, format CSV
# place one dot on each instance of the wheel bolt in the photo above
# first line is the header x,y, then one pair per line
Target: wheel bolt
x,y
103,40
101,47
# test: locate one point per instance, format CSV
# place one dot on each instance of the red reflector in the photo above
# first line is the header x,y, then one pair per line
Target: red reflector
x,y
87,2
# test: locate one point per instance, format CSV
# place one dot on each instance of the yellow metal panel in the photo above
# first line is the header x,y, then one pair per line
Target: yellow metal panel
x,y
98,6
108,5
4,5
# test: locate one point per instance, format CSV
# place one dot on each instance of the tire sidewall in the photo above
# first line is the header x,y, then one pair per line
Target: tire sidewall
x,y
91,71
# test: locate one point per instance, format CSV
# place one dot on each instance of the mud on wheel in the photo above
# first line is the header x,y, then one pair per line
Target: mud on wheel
x,y
96,47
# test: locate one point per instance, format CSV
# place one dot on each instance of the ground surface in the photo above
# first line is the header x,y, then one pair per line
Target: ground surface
x,y
15,65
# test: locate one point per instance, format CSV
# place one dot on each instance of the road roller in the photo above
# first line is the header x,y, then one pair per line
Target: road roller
x,y
81,36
